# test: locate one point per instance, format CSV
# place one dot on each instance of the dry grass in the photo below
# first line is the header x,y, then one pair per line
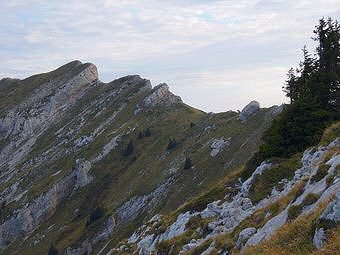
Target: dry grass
x,y
332,247
296,238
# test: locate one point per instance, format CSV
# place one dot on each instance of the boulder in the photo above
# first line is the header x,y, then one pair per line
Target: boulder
x,y
249,110
244,235
269,228
218,145
319,238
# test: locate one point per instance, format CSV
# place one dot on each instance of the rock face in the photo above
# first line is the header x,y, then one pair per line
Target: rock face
x,y
332,212
82,176
249,110
66,180
244,235
25,121
160,95
43,207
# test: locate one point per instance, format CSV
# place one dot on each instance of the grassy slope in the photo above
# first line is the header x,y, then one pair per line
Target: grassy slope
x,y
117,178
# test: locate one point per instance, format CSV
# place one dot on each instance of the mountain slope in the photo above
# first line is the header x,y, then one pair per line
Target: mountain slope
x,y
287,206
84,162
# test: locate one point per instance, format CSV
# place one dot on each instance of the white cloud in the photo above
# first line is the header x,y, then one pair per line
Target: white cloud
x,y
151,35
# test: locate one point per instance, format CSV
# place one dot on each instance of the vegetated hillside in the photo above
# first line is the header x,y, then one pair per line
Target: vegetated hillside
x,y
83,162
287,206
314,91
287,200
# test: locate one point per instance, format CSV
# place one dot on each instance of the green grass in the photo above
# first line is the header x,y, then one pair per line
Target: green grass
x,y
321,173
310,199
296,238
264,183
332,132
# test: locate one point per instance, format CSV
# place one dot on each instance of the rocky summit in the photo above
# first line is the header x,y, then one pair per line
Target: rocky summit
x,y
124,167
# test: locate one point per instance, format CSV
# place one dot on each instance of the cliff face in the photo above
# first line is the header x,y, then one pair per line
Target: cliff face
x,y
83,163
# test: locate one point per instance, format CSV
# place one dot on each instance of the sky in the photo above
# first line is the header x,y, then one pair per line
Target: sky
x,y
216,55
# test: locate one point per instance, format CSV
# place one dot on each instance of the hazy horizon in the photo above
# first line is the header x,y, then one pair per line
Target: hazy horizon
x,y
216,55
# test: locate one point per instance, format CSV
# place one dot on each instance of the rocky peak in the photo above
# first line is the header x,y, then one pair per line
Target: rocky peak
x,y
161,95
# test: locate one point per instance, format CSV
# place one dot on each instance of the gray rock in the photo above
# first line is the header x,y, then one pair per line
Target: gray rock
x,y
145,245
268,229
112,144
218,145
82,176
187,247
319,238
23,123
138,204
210,250
177,228
27,218
212,210
249,110
244,235
86,248
82,141
332,212
160,95
258,171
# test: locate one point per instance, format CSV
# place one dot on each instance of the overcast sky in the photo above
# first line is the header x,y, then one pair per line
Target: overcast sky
x,y
216,55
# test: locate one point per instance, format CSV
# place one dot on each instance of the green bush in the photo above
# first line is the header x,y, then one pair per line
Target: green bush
x,y
172,144
310,199
329,180
264,183
128,150
95,215
320,174
199,203
53,250
294,211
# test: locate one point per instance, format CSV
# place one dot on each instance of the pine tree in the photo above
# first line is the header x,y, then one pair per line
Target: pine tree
x,y
147,132
187,163
290,85
140,135
328,35
172,144
129,149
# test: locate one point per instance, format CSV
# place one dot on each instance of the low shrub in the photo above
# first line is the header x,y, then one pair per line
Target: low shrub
x,y
310,199
320,174
128,150
264,183
95,215
172,144
187,164
294,211
53,250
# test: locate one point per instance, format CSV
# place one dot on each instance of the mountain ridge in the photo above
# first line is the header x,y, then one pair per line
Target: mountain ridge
x,y
103,149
